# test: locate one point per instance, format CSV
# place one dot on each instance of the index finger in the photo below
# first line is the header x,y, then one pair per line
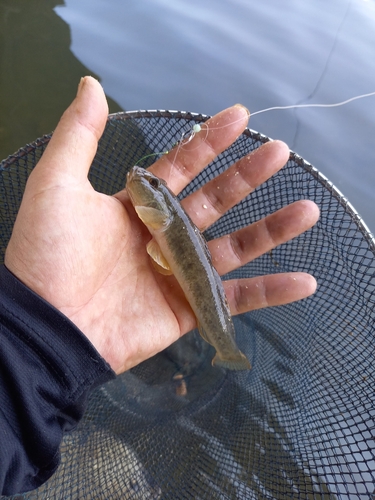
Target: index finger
x,y
188,158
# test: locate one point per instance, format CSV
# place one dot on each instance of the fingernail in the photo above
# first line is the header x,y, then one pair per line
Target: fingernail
x,y
243,107
80,85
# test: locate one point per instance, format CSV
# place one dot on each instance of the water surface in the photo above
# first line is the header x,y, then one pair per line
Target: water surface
x,y
203,56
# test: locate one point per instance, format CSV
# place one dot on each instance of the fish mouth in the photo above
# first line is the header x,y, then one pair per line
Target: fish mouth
x,y
138,187
134,173
135,176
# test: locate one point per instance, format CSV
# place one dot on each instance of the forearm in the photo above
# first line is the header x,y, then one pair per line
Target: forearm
x,y
47,368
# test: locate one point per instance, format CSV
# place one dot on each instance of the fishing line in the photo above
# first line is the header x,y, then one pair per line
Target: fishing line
x,y
189,135
294,106
198,128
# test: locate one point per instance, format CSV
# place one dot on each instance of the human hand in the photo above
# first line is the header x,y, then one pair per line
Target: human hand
x,y
85,252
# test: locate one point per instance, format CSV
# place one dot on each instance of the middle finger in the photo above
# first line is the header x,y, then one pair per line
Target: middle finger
x,y
212,200
232,251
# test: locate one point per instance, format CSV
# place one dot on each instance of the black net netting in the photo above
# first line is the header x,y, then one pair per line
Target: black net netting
x,y
300,424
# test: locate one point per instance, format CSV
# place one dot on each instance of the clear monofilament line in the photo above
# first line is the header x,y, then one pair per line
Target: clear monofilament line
x,y
189,135
294,106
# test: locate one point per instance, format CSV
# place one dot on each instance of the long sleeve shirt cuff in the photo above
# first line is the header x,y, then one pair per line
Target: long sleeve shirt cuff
x,y
47,369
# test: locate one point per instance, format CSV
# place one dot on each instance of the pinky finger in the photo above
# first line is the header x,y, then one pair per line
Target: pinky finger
x,y
270,290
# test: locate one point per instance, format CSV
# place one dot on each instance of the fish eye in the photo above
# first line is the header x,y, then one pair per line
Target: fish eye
x,y
154,182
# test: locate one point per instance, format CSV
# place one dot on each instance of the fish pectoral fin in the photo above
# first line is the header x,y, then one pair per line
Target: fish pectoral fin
x,y
159,262
160,269
151,216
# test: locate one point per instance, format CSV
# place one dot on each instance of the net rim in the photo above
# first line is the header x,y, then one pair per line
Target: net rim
x,y
201,118
307,166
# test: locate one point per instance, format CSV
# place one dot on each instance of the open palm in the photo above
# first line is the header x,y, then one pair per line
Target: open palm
x,y
85,252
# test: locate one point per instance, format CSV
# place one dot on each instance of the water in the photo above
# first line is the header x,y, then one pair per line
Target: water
x,y
203,56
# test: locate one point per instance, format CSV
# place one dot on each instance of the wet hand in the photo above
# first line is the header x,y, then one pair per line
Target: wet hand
x,y
85,252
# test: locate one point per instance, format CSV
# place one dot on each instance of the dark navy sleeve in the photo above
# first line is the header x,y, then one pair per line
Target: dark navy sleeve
x,y
47,368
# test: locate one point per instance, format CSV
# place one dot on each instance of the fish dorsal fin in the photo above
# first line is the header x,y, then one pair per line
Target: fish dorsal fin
x,y
151,216
159,262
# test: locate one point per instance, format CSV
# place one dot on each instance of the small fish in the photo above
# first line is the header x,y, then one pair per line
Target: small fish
x,y
178,248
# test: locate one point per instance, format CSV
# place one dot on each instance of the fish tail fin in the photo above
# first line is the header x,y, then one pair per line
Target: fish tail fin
x,y
240,362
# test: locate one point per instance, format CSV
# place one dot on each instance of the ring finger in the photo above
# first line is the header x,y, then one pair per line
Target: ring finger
x,y
236,249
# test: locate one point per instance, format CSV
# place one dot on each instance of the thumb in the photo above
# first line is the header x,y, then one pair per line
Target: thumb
x,y
73,145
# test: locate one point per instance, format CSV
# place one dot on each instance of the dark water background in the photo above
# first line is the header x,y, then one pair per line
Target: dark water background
x,y
203,56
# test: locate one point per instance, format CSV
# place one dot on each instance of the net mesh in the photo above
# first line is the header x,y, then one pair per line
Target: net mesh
x,y
300,424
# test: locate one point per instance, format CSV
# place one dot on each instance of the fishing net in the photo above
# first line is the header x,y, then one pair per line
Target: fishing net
x,y
300,424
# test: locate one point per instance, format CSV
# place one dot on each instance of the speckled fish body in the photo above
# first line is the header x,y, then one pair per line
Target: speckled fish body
x,y
179,248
